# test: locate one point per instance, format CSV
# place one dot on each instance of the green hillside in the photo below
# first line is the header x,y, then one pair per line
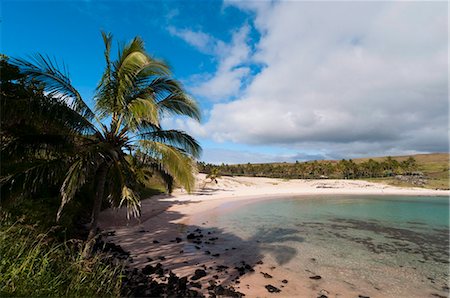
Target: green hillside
x,y
435,168
421,170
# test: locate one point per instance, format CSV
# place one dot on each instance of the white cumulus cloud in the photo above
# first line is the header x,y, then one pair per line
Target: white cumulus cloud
x,y
350,77
232,66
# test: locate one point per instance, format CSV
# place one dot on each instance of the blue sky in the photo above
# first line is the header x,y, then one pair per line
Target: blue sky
x,y
276,81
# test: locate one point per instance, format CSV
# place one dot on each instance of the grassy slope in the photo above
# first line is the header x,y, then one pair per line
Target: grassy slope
x,y
434,166
37,260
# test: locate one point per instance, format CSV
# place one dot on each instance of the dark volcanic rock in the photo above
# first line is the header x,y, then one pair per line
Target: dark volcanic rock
x,y
141,283
137,284
111,248
266,275
178,239
315,277
226,292
199,273
195,285
221,268
159,270
111,233
149,269
285,281
272,289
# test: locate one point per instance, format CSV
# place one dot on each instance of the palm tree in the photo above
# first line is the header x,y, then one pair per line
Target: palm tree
x,y
213,175
122,141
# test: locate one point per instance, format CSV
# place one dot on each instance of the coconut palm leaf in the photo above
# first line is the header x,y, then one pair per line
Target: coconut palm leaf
x,y
175,162
104,87
179,104
76,177
175,138
56,82
141,110
32,177
119,193
134,93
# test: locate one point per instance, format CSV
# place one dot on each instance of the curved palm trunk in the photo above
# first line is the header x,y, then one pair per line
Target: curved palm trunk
x,y
99,191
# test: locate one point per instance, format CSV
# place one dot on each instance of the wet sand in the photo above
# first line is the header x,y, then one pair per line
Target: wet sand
x,y
152,238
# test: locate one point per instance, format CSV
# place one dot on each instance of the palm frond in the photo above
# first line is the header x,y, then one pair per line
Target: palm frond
x,y
175,138
74,180
180,104
45,112
119,193
134,67
141,110
159,169
32,177
105,88
57,82
164,85
131,200
176,163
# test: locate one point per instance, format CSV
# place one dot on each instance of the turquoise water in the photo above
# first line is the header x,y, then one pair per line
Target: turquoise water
x,y
361,235
429,211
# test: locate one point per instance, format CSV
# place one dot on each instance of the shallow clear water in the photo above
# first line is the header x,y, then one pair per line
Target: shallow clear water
x,y
361,236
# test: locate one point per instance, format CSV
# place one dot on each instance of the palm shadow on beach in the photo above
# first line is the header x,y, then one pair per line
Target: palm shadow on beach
x,y
224,256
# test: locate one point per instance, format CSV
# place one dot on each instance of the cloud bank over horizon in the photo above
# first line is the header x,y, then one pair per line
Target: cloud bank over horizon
x,y
337,79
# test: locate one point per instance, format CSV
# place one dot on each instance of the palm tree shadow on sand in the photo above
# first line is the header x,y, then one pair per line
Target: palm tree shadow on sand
x,y
183,248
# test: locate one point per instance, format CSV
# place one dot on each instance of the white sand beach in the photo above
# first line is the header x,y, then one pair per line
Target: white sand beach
x,y
166,217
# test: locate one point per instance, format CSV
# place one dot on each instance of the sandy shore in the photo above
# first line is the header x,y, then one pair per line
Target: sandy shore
x,y
166,217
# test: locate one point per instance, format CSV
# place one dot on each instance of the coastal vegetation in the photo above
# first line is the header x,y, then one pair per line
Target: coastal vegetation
x,y
425,170
36,264
63,161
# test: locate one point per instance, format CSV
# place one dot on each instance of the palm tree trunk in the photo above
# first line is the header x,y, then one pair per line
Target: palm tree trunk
x,y
99,191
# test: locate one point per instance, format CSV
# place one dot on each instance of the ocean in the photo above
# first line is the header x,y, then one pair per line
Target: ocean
x,y
383,245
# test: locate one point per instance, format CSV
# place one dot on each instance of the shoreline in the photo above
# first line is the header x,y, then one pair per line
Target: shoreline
x,y
164,218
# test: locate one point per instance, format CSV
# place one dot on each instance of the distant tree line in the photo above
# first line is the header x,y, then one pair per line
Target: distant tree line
x,y
343,169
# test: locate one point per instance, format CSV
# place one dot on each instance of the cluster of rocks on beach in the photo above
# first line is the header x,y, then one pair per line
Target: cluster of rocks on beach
x,y
154,280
